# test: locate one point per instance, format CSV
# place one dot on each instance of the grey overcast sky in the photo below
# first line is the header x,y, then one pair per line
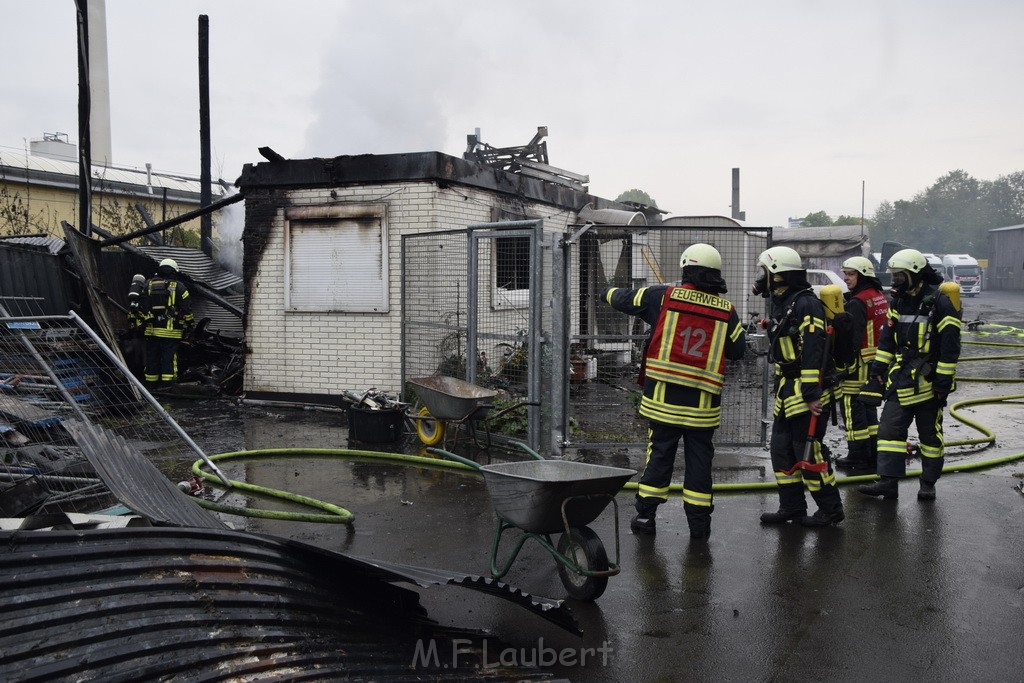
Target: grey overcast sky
x,y
809,98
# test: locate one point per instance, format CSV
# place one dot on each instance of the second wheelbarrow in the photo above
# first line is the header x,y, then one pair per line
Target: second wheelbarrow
x,y
542,497
448,400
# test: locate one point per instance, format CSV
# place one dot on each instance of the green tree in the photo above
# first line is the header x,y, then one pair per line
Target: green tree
x,y
637,197
849,220
954,214
816,220
883,225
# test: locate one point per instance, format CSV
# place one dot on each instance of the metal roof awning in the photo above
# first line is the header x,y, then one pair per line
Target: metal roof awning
x,y
197,265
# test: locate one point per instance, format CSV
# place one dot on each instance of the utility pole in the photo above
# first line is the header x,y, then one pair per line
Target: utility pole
x,y
84,107
862,209
205,195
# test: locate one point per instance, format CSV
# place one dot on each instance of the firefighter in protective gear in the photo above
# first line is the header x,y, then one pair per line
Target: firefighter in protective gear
x,y
799,346
167,310
917,356
693,331
869,311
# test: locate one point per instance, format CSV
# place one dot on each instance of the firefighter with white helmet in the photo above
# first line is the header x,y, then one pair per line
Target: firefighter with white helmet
x,y
916,360
868,312
798,345
167,311
693,331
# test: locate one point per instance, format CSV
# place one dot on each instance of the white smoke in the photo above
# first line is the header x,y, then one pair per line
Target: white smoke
x,y
227,238
420,76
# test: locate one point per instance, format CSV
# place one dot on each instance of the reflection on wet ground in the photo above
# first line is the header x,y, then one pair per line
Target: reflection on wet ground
x,y
884,596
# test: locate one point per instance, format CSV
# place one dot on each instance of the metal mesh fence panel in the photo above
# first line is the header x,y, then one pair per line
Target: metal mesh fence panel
x,y
537,332
475,293
53,368
435,287
606,346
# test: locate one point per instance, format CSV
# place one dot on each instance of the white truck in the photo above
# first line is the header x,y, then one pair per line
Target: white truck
x,y
934,261
964,270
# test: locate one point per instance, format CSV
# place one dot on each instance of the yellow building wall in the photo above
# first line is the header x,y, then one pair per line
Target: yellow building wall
x,y
36,209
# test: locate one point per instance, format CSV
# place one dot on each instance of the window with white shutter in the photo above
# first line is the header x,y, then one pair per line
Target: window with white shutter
x,y
336,259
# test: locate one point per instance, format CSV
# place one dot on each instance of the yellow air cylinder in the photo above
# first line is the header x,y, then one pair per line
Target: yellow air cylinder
x,y
952,290
832,297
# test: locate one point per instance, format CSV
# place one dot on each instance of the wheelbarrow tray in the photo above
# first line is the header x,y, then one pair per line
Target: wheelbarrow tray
x,y
530,494
448,398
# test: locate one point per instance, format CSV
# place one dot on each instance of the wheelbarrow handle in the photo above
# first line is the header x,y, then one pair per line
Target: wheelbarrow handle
x,y
529,451
456,458
512,407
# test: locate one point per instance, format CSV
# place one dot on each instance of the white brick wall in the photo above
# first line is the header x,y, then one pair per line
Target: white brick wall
x,y
327,353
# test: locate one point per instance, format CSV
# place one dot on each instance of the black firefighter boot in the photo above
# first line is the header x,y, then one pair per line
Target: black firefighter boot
x,y
886,487
830,508
792,505
643,522
931,469
699,519
858,457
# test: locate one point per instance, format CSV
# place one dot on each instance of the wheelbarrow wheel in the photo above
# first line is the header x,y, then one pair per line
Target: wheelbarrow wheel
x,y
430,430
582,546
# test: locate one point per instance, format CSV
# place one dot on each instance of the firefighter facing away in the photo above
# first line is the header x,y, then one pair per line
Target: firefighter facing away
x,y
916,359
167,312
869,311
693,331
799,346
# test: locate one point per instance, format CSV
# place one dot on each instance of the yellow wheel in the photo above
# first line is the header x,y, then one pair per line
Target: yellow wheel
x,y
430,431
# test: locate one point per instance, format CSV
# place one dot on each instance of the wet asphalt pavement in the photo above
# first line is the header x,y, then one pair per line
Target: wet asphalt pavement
x,y
902,590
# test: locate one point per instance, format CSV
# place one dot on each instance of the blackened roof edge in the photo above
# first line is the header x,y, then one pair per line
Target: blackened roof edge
x,y
416,166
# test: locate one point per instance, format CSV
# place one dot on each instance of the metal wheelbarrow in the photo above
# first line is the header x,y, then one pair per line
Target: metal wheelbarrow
x,y
451,401
542,497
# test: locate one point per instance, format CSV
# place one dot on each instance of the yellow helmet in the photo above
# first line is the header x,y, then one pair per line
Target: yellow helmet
x,y
780,260
907,259
859,264
169,262
701,255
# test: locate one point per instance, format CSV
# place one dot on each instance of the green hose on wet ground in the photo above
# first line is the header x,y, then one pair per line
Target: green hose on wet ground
x,y
334,514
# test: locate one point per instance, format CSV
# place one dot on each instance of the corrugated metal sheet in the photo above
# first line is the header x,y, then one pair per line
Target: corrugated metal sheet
x,y
15,163
30,269
222,322
195,264
135,482
1006,264
187,604
51,244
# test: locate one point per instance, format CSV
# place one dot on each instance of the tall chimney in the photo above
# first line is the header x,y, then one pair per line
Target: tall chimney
x,y
99,81
736,213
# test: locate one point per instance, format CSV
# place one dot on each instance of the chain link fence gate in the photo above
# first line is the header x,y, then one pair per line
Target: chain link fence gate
x,y
605,346
477,293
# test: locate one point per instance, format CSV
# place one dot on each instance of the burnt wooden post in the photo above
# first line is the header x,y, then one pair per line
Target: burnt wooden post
x,y
205,197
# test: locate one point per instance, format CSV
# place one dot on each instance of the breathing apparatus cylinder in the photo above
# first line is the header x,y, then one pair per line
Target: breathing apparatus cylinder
x,y
951,290
832,297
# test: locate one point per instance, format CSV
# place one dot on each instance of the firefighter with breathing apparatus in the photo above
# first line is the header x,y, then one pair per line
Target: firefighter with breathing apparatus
x,y
916,360
799,346
868,312
167,311
693,331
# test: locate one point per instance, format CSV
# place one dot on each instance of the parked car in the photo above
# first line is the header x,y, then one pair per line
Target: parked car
x,y
820,278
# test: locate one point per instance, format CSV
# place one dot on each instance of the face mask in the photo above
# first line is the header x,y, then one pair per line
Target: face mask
x,y
900,281
760,287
